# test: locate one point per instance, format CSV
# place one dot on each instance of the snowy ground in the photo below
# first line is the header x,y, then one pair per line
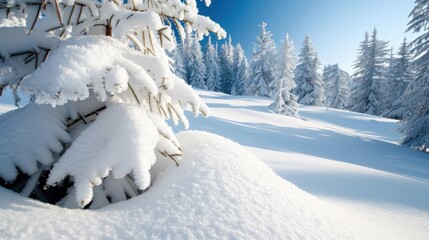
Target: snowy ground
x,y
366,185
351,160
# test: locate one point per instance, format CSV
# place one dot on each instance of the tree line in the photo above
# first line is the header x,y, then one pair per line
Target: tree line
x,y
384,83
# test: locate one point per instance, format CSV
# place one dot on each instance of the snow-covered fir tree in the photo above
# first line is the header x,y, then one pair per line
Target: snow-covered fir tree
x,y
186,48
197,67
178,65
284,101
337,84
370,69
261,69
240,72
415,126
309,81
212,67
227,65
400,74
101,88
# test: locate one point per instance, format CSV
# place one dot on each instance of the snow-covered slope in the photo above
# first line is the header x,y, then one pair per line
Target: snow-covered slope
x,y
220,191
350,159
366,185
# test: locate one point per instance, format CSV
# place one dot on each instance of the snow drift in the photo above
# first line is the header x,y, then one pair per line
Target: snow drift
x,y
220,190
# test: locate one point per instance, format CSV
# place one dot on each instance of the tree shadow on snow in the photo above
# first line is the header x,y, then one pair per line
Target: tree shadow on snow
x,y
337,146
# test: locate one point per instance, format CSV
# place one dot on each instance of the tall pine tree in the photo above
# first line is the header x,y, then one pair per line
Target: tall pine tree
x,y
284,102
226,65
212,67
196,66
415,127
239,74
177,55
399,77
186,52
337,84
261,69
309,82
368,79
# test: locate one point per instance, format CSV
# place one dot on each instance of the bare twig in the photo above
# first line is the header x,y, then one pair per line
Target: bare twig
x,y
39,8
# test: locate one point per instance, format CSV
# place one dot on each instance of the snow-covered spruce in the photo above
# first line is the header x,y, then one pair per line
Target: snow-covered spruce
x,y
197,66
119,70
261,69
284,101
415,125
240,72
309,89
213,74
399,76
337,83
178,64
368,79
226,59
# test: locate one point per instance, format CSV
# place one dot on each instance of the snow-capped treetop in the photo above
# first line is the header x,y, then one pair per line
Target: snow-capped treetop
x,y
265,44
309,82
240,73
399,75
226,65
213,73
197,67
261,68
284,101
370,68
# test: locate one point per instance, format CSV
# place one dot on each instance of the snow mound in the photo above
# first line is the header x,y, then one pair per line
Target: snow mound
x,y
220,190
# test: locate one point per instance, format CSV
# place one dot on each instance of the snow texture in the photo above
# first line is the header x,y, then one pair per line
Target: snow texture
x,y
121,140
219,191
226,193
81,63
29,141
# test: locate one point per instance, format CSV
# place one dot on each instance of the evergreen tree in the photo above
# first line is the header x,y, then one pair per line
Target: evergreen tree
x,y
261,69
309,82
186,52
415,127
226,65
284,102
95,132
177,55
370,66
212,67
399,76
386,102
240,74
336,86
197,66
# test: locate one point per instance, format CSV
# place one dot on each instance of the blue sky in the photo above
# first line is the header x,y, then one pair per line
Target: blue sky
x,y
335,26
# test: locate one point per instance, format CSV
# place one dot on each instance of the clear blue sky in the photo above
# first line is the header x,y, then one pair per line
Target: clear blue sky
x,y
335,26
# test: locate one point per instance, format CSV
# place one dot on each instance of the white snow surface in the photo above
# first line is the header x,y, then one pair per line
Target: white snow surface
x,y
220,190
333,175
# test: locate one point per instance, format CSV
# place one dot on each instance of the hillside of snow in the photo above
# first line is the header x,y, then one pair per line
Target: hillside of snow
x,y
333,175
349,159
